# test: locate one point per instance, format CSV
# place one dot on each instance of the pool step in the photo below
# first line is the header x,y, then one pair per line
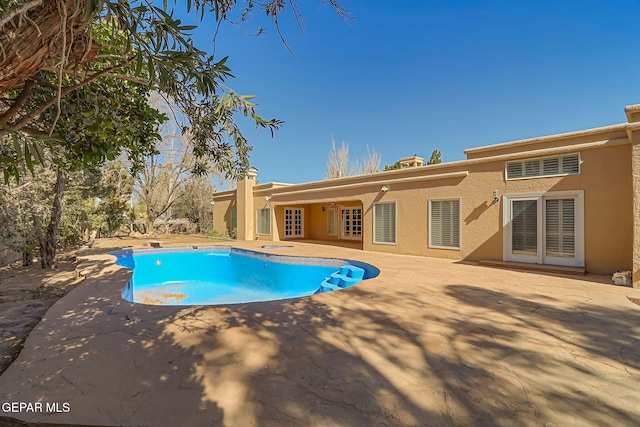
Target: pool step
x,y
348,275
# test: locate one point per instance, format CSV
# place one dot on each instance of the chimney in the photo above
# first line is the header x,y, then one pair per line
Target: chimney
x,y
411,162
244,202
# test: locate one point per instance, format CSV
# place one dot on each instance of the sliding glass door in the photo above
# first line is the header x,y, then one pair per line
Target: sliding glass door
x,y
545,228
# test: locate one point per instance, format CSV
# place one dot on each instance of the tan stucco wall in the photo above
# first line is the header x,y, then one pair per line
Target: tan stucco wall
x,y
318,227
411,216
635,160
222,208
605,180
608,209
318,222
278,226
246,213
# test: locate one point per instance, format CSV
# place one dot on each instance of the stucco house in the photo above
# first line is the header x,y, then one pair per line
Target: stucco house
x,y
569,200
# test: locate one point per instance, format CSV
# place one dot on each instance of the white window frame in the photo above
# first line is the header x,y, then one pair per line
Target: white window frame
x,y
258,222
540,258
454,248
331,213
541,159
395,226
294,236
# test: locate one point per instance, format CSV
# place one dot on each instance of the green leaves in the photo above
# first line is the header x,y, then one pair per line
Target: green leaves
x,y
104,109
20,152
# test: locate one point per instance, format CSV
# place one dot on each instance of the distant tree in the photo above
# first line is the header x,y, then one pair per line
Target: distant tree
x,y
370,163
95,200
339,165
23,207
435,158
338,162
132,126
160,182
392,167
195,203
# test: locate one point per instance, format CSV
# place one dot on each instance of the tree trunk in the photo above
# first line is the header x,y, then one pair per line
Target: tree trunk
x,y
38,239
27,256
51,239
37,226
149,221
148,228
36,39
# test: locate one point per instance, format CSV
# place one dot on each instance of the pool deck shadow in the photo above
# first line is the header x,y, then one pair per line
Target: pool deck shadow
x,y
429,342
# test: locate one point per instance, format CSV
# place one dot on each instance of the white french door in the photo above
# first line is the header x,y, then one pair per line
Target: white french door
x,y
545,228
293,223
351,224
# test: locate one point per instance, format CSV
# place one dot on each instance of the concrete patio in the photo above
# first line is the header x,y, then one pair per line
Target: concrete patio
x,y
430,342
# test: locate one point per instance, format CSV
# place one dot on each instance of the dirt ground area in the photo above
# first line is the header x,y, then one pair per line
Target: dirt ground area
x,y
26,293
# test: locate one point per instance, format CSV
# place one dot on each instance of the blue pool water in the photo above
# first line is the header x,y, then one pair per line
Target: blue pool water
x,y
224,275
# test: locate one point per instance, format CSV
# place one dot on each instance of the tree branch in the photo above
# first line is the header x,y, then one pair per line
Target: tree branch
x,y
26,119
84,75
27,90
21,11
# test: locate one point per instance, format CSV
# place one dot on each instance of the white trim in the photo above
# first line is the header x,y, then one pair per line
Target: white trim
x,y
453,248
395,237
540,258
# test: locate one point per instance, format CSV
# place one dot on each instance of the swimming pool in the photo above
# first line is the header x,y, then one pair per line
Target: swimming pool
x,y
225,275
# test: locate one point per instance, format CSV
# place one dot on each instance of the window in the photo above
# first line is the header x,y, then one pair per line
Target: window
x,y
263,221
548,166
233,219
560,228
524,226
331,222
444,224
384,223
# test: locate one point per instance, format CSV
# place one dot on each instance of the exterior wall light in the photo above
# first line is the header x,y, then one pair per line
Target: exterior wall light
x,y
384,189
267,198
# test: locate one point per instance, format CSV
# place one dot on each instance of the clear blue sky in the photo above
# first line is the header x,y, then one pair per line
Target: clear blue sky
x,y
408,77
